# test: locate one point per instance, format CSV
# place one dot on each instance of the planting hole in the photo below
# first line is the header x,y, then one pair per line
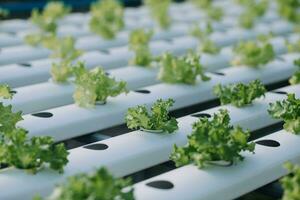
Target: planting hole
x,y
221,163
280,58
43,114
268,143
201,115
279,92
142,91
13,92
164,185
104,51
218,73
169,40
107,74
98,146
25,64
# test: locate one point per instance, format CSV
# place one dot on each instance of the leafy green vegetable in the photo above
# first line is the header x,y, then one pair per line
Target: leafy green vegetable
x,y
184,69
107,18
64,48
139,43
95,86
202,3
253,10
289,111
158,119
213,12
295,79
47,20
253,54
98,185
291,182
240,94
17,150
206,45
293,47
44,39
288,9
160,12
213,140
31,154
61,71
5,92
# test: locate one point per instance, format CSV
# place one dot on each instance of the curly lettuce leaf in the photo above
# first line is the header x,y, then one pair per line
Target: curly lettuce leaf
x,y
158,119
160,12
291,182
295,79
5,92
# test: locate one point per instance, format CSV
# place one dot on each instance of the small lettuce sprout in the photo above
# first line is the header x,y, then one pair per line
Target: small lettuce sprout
x,y
94,86
64,49
212,12
158,120
289,111
240,94
213,140
160,12
107,18
139,43
100,184
253,54
185,69
291,183
5,92
295,79
61,71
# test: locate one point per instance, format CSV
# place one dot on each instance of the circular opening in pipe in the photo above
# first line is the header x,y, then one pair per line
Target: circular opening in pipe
x,y
98,146
142,91
218,73
201,115
43,114
161,184
25,64
268,143
279,92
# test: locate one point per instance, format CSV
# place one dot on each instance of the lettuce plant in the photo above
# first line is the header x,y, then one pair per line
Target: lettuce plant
x,y
253,54
289,111
185,69
291,182
5,92
293,47
213,12
61,71
240,94
213,140
160,12
139,43
19,151
295,79
64,49
157,120
95,86
289,9
107,18
97,185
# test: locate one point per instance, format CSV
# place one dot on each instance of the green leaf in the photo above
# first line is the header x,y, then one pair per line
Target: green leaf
x,y
291,182
5,92
139,43
212,12
160,12
240,94
8,119
295,79
94,86
97,185
31,154
253,54
293,47
289,111
158,119
185,69
107,18
213,140
288,9
61,71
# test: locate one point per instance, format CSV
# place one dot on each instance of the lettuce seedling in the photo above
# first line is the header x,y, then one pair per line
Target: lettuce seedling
x,y
139,43
107,18
160,12
289,9
184,69
289,111
253,54
5,92
293,47
212,12
61,71
22,152
94,86
295,79
206,44
240,94
213,140
157,120
291,182
64,49
97,185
